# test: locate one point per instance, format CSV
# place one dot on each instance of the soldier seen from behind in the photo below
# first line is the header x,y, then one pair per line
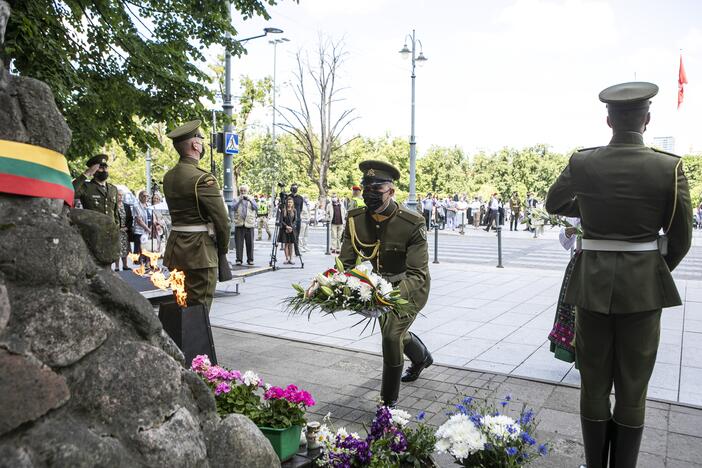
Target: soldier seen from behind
x,y
625,194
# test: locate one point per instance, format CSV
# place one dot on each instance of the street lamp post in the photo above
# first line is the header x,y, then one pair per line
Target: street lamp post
x,y
417,60
275,43
228,190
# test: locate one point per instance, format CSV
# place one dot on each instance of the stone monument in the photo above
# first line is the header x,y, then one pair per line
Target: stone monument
x,y
87,375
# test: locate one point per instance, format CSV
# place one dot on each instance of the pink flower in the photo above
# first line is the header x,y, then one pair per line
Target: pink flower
x,y
222,388
274,393
200,363
234,375
216,373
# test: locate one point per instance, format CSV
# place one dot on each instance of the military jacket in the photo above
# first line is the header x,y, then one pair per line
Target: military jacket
x,y
628,192
96,197
193,198
402,256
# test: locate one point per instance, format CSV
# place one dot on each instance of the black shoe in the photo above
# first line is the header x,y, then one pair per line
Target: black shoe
x,y
624,446
420,357
596,438
238,262
390,386
249,262
126,268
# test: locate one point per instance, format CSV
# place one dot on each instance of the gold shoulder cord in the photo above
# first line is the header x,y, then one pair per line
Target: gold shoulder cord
x,y
675,196
354,240
197,201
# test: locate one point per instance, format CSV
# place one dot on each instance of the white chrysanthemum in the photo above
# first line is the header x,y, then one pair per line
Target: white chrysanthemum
x,y
502,426
366,292
353,283
400,417
324,435
342,432
374,279
459,437
385,287
250,378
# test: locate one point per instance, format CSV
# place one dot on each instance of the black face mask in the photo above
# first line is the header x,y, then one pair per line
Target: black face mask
x,y
101,176
373,199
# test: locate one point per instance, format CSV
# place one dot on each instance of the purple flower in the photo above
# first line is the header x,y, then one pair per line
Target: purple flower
x,y
468,401
398,443
526,417
421,415
200,363
222,388
528,439
382,421
511,451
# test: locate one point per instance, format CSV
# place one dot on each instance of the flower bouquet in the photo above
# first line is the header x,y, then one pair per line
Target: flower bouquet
x,y
359,291
391,442
482,436
540,217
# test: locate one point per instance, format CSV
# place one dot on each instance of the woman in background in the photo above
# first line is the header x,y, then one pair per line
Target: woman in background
x,y
287,229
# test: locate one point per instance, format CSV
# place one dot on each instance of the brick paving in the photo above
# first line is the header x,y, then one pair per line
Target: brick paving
x,y
346,382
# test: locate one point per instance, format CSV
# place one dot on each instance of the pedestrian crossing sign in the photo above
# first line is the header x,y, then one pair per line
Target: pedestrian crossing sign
x,y
231,143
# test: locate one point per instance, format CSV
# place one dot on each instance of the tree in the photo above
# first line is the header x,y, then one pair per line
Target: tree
x,y
317,146
110,61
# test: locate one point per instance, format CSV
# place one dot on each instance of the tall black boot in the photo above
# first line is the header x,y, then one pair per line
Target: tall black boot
x,y
390,386
596,436
420,357
624,448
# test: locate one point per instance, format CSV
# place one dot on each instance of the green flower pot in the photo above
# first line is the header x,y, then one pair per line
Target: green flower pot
x,y
285,442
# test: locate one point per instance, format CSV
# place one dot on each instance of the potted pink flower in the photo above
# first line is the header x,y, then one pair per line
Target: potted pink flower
x,y
278,412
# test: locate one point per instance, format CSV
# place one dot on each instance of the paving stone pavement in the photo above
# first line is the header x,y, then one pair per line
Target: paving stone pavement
x,y
346,382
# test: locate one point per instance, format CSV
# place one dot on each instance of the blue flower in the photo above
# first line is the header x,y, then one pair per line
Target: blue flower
x,y
503,403
468,401
508,398
420,416
511,451
527,438
462,409
511,429
543,450
526,417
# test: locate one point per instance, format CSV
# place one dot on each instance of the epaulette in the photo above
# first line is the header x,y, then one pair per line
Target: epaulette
x,y
588,149
665,152
357,211
409,216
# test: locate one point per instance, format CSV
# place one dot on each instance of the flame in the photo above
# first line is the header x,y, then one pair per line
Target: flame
x,y
133,257
175,280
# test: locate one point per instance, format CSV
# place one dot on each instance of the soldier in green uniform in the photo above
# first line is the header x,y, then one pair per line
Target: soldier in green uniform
x,y
394,240
625,193
199,238
97,194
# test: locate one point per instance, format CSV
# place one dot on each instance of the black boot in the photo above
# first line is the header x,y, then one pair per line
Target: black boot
x,y
624,448
596,436
420,357
390,386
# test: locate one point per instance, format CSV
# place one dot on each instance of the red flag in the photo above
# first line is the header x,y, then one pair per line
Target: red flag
x,y
682,80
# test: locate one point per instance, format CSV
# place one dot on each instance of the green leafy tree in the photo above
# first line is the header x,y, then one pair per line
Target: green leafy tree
x,y
111,61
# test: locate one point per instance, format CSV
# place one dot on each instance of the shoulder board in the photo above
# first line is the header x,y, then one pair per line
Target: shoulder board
x,y
588,149
357,211
666,153
409,216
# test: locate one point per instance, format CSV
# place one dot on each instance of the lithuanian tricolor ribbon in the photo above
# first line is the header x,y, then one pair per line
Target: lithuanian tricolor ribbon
x,y
34,171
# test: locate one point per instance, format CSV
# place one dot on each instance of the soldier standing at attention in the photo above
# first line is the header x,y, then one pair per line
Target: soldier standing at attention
x,y
624,193
197,212
97,194
394,240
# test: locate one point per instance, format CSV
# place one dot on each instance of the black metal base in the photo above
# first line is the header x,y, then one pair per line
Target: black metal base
x,y
189,328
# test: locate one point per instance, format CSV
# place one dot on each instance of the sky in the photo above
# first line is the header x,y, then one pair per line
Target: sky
x,y
500,73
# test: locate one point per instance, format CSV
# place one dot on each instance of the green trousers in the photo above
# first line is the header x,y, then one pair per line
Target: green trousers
x,y
395,337
617,349
200,286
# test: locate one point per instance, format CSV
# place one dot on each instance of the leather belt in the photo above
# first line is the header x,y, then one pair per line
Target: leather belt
x,y
194,228
605,245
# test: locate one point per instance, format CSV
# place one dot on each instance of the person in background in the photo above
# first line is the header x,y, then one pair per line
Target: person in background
x,y
515,206
97,194
427,209
699,216
157,223
141,228
262,217
304,224
451,211
461,209
530,203
493,211
287,236
245,210
356,198
336,215
123,234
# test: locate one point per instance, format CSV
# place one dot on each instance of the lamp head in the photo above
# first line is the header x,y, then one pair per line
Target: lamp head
x,y
421,59
405,52
272,30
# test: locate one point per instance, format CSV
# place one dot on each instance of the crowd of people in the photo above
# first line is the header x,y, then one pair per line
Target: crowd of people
x,y
457,212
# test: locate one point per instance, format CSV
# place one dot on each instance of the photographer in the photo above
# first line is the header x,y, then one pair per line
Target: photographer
x,y
245,210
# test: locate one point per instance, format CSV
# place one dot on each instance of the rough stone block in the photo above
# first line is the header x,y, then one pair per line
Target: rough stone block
x,y
237,443
100,234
